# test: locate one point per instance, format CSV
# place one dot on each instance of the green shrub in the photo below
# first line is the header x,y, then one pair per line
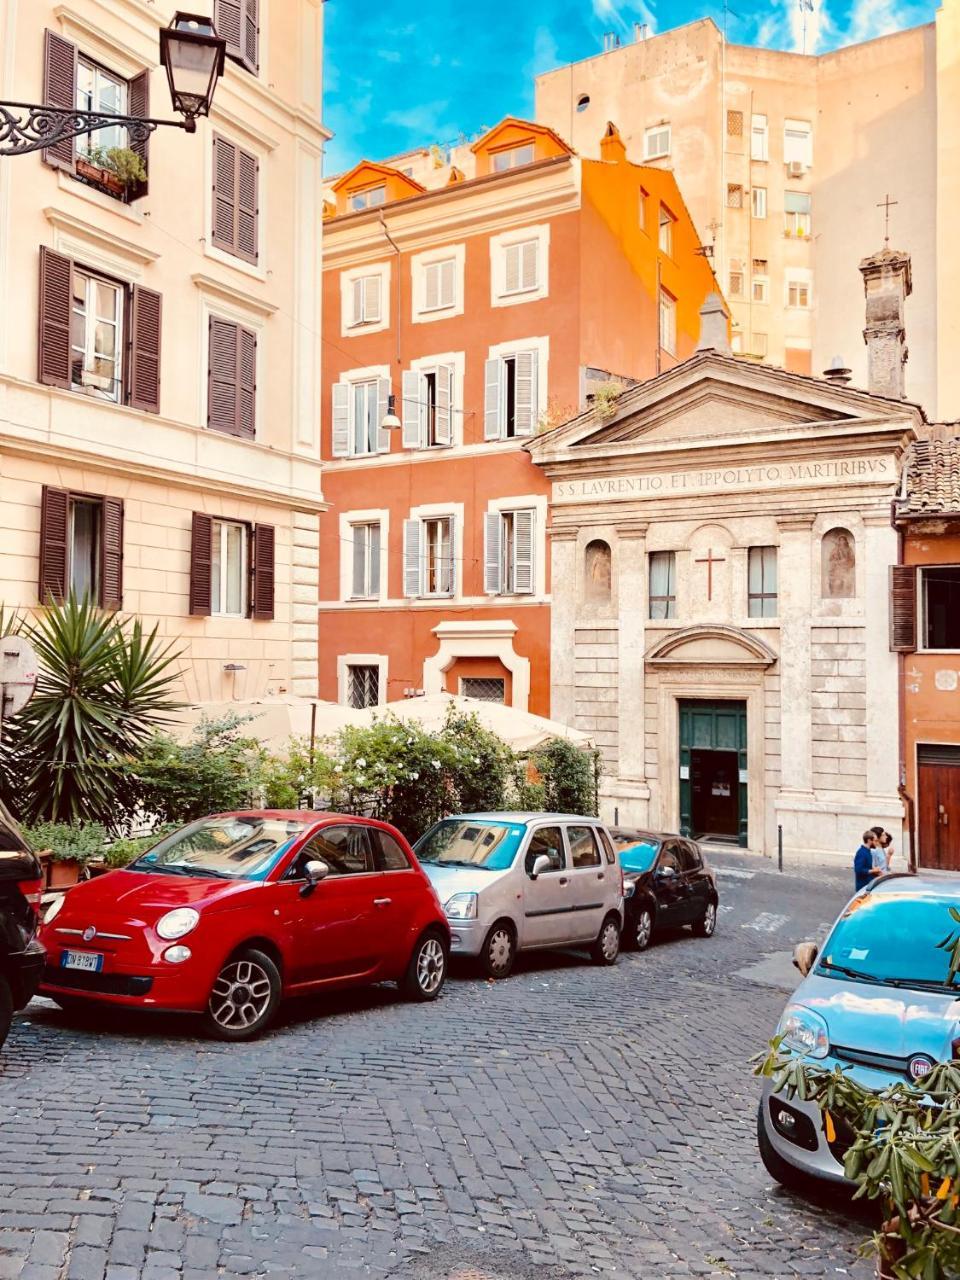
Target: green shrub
x,y
217,769
483,764
567,779
83,841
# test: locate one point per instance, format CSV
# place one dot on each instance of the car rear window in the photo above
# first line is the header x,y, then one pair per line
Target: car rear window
x,y
387,854
607,845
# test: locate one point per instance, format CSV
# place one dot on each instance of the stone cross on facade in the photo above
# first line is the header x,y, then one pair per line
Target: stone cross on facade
x,y
710,560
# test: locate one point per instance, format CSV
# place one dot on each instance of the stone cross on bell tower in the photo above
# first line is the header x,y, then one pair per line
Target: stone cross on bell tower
x,y
887,283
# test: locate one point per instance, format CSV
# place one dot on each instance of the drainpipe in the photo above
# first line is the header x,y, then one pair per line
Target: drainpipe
x,y
396,250
905,796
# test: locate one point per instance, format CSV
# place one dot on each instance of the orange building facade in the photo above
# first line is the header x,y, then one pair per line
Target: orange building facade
x,y
458,323
926,630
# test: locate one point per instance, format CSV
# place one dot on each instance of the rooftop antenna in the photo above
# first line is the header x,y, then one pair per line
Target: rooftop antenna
x,y
610,41
806,6
886,204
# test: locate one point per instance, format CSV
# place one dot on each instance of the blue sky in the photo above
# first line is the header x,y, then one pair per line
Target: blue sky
x,y
404,75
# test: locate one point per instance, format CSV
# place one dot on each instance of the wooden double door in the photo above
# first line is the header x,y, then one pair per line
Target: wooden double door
x,y
938,806
713,769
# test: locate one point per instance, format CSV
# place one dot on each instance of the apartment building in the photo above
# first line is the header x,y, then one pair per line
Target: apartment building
x,y
460,321
786,161
159,393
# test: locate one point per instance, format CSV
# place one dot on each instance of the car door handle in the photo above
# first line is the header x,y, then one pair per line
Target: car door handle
x,y
600,875
382,902
564,880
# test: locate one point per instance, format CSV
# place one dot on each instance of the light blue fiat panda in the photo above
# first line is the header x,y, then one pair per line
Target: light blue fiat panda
x,y
876,1001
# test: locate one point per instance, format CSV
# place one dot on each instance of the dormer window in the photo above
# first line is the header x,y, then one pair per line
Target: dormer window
x,y
369,199
513,157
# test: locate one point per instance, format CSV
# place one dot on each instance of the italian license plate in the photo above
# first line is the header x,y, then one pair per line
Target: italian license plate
x,y
90,961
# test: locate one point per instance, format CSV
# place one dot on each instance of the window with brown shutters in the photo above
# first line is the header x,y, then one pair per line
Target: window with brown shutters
x,y
81,547
238,22
60,90
138,94
903,608
264,570
70,350
201,552
236,182
232,379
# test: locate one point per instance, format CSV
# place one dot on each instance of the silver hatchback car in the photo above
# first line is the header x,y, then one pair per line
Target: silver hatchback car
x,y
513,882
875,1001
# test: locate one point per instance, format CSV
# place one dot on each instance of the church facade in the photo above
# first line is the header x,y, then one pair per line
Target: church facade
x,y
721,547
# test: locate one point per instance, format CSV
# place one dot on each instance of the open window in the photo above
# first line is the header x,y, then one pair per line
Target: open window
x,y
511,396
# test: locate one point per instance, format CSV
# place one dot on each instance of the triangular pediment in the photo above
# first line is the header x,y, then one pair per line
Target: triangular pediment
x,y
721,398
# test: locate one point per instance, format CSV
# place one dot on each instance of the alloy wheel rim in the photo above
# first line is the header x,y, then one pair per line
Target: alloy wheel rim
x,y
240,995
710,918
500,950
610,941
430,965
644,929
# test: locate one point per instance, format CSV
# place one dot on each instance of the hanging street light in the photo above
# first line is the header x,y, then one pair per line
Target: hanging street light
x,y
191,53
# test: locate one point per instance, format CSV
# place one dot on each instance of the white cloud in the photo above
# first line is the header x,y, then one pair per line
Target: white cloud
x,y
872,18
618,14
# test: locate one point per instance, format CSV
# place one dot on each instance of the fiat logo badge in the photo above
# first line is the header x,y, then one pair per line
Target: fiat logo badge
x,y
89,933
919,1067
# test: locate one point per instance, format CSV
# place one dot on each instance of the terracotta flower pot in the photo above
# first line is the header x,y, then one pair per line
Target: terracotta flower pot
x,y
103,178
62,874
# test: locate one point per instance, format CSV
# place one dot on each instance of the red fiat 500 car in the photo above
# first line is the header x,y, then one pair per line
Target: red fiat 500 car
x,y
233,912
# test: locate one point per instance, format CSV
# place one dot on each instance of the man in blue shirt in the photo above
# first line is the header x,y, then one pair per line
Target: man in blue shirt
x,y
863,868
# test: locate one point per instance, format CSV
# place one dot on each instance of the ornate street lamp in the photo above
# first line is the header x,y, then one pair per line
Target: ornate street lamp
x,y
192,54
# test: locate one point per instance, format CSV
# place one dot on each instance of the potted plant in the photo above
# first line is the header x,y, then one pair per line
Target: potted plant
x,y
115,170
120,853
66,849
904,1152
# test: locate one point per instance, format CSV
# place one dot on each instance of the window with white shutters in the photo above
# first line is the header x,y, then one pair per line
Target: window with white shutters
x,y
656,142
427,408
429,556
521,267
358,411
511,405
366,561
440,285
508,552
758,137
366,302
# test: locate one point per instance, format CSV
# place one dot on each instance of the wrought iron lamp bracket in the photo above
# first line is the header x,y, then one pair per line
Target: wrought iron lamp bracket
x,y
26,127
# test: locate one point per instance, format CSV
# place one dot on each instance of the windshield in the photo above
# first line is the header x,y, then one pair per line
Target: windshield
x,y
229,848
639,857
890,938
458,843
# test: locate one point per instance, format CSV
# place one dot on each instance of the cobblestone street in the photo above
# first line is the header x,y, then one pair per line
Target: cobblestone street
x,y
570,1121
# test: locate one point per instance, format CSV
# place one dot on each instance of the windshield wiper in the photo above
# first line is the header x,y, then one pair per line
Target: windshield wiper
x,y
850,973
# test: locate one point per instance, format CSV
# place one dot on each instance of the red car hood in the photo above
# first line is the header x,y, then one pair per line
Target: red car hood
x,y
142,897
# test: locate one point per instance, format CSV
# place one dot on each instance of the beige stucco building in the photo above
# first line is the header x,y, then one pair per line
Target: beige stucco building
x,y
159,341
784,158
721,545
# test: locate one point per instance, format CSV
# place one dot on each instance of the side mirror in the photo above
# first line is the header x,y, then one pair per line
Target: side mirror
x,y
541,863
666,873
315,871
805,956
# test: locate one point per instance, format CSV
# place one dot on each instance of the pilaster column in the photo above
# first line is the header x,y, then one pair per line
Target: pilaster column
x,y
882,675
563,614
632,606
795,602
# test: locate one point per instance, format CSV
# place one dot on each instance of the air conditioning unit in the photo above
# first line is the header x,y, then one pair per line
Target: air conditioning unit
x,y
796,168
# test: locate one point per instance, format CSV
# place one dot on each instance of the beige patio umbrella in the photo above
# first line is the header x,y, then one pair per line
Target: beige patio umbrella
x,y
276,718
520,730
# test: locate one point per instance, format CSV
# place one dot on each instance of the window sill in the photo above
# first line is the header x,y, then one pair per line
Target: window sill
x,y
255,272
84,191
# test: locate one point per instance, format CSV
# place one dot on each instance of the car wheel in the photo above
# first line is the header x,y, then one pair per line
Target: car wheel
x,y
706,926
642,928
6,1010
780,1170
427,970
499,950
244,997
606,949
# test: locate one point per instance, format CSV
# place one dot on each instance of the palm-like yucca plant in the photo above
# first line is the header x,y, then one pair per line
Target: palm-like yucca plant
x,y
104,684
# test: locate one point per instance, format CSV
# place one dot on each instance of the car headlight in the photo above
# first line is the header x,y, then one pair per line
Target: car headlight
x,y
178,923
462,906
804,1032
54,908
